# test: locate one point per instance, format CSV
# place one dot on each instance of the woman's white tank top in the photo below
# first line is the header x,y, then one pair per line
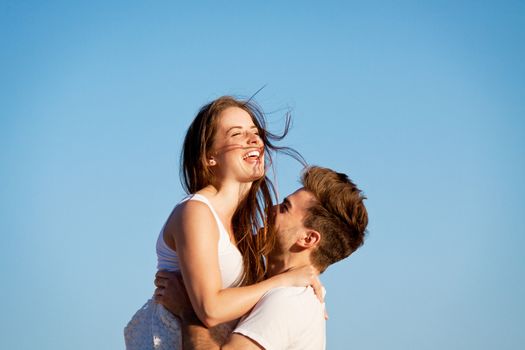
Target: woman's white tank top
x,y
230,259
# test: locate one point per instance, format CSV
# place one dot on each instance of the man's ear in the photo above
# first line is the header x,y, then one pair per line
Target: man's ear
x,y
309,239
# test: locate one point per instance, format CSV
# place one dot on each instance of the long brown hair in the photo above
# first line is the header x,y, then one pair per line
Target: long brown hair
x,y
250,220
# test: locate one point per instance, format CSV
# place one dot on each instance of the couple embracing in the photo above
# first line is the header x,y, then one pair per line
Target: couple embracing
x,y
247,265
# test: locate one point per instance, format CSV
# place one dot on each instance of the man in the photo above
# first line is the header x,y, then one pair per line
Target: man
x,y
319,224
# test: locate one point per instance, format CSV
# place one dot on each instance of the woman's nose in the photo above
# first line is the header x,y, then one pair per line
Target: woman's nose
x,y
253,138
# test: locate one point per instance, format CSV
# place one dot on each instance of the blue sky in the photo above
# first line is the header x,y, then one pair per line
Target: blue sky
x,y
421,103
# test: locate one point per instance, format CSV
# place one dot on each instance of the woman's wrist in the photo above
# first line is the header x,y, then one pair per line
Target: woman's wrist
x,y
277,281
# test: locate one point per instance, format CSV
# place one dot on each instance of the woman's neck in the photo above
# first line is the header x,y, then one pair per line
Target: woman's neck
x,y
226,197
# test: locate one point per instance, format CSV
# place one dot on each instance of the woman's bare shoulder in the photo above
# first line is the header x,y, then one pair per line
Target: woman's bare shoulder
x,y
191,208
191,215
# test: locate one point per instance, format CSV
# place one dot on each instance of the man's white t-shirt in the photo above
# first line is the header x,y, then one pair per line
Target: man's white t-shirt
x,y
286,318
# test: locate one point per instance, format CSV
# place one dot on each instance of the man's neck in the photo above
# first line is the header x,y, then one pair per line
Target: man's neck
x,y
279,263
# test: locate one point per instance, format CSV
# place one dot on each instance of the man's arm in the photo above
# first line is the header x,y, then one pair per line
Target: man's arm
x,y
239,341
172,295
196,337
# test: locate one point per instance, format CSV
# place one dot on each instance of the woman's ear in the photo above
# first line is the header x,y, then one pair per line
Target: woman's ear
x,y
212,162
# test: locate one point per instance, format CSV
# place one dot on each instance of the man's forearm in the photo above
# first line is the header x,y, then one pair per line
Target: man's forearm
x,y
197,337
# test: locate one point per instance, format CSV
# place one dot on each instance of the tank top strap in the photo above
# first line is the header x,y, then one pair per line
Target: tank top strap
x,y
220,225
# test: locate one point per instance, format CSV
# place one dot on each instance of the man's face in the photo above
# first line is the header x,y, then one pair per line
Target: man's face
x,y
289,217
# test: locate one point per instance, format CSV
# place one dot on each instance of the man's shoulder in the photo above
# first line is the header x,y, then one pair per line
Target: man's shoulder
x,y
287,292
291,297
286,317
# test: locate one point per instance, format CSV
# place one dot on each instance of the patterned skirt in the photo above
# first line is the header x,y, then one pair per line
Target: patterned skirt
x,y
153,328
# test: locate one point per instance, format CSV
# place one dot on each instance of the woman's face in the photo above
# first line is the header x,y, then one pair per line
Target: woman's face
x,y
237,151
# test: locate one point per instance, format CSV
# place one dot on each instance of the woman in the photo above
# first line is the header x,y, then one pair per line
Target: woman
x,y
210,236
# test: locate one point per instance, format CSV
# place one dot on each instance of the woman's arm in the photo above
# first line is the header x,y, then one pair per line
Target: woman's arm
x,y
196,237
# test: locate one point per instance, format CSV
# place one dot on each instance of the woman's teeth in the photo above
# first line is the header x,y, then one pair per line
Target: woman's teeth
x,y
255,154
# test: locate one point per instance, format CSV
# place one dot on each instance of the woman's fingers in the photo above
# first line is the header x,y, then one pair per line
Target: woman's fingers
x,y
318,289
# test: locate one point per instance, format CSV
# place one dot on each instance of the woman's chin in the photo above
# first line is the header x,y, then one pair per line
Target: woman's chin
x,y
255,169
255,173
259,170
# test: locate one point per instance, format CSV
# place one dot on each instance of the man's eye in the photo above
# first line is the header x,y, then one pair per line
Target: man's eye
x,y
236,134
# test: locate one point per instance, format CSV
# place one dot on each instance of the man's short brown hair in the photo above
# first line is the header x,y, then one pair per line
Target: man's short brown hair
x,y
338,214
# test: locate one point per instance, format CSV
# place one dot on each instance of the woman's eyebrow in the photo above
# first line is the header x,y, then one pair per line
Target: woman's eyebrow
x,y
240,127
233,127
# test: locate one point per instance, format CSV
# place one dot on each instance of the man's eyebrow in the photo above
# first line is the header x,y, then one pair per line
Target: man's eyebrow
x,y
287,202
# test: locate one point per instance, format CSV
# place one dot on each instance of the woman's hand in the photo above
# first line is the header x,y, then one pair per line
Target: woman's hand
x,y
303,276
